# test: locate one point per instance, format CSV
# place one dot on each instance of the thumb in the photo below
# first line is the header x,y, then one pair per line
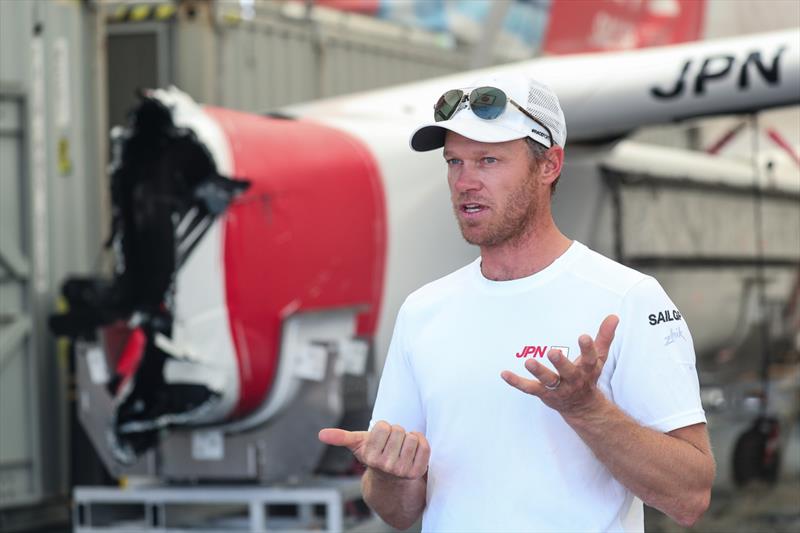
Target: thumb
x,y
605,335
340,437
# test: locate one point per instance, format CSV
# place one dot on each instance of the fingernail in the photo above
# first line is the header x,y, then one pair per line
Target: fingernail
x,y
554,356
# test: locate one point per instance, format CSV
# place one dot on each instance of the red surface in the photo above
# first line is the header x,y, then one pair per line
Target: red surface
x,y
577,26
124,348
309,234
366,7
132,354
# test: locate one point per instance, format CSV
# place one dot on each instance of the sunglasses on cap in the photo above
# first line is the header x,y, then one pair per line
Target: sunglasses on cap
x,y
487,103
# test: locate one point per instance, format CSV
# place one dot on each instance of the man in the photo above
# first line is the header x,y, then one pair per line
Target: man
x,y
598,425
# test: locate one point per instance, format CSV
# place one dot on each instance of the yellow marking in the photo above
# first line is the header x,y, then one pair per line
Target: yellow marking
x,y
164,11
231,17
64,160
140,13
62,343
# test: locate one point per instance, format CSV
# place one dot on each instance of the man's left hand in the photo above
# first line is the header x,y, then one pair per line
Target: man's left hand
x,y
573,389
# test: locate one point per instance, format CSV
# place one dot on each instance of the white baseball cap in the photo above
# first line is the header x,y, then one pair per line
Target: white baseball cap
x,y
536,98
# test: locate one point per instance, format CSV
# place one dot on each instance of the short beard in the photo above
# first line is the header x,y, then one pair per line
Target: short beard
x,y
517,219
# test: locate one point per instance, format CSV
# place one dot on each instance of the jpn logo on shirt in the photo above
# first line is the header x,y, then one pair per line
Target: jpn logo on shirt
x,y
540,351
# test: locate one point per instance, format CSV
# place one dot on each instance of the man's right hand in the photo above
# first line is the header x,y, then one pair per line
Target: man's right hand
x,y
387,449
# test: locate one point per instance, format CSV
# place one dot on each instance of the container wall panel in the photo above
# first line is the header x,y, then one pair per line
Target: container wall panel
x,y
14,411
273,61
16,25
49,228
20,457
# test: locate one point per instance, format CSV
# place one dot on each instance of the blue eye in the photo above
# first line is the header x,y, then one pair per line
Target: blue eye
x,y
490,160
451,162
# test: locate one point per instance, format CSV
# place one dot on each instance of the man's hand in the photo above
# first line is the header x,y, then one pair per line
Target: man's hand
x,y
574,388
386,449
680,466
394,485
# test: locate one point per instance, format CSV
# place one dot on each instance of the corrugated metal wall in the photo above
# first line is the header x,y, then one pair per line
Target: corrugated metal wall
x,y
49,208
284,56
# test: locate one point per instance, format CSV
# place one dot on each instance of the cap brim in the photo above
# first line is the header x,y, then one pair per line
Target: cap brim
x,y
432,136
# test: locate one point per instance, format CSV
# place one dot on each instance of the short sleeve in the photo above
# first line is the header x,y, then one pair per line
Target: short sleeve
x,y
398,398
654,378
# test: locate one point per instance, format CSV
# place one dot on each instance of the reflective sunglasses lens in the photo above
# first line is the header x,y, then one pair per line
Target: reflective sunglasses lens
x,y
487,102
447,105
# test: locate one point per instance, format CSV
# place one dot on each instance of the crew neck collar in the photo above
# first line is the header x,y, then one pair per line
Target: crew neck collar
x,y
528,282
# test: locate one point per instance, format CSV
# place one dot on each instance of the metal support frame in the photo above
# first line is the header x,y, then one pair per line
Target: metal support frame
x,y
17,325
155,503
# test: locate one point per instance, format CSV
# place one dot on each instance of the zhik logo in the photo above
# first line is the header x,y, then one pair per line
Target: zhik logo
x,y
540,351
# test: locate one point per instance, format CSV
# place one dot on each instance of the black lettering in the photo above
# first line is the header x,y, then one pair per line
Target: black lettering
x,y
679,84
706,73
770,75
667,315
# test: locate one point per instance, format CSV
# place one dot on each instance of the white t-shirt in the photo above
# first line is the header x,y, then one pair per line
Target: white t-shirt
x,y
501,460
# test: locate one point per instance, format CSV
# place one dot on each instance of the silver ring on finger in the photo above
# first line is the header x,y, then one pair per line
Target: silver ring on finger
x,y
555,385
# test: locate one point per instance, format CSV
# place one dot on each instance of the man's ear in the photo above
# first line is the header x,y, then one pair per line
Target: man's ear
x,y
551,165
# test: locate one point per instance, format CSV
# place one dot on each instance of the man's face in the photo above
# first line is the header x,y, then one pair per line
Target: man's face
x,y
493,188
